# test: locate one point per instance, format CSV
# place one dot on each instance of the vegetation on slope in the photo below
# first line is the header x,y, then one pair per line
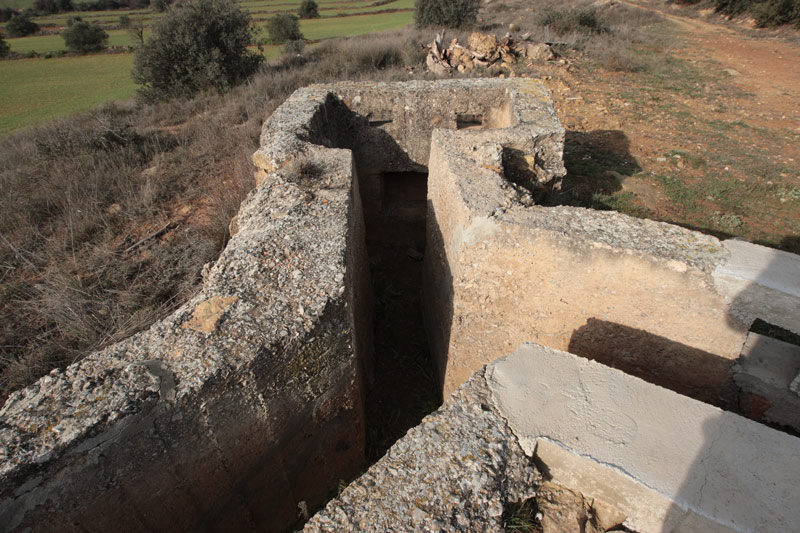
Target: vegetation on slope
x,y
197,46
107,217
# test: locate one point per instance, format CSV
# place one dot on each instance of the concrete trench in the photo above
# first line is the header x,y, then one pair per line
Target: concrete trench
x,y
404,387
409,209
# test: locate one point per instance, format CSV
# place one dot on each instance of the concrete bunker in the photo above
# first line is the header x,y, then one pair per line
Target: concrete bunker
x,y
388,129
409,202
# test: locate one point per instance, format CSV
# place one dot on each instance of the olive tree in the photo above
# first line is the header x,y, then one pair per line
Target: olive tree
x,y
21,25
308,10
196,46
283,27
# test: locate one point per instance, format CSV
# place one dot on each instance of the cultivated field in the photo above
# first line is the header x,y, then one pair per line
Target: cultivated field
x,y
38,88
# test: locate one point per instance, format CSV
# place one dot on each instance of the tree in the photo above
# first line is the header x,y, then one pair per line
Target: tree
x,y
20,26
4,48
449,13
308,10
283,27
136,30
160,5
6,13
196,46
45,7
84,37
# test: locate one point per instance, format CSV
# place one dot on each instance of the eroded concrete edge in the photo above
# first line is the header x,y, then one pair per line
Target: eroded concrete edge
x,y
456,471
248,346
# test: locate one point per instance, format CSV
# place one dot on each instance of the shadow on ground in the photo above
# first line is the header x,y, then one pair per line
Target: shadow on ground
x,y
597,162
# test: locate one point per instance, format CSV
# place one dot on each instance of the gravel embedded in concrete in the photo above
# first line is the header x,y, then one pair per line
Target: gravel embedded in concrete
x,y
456,471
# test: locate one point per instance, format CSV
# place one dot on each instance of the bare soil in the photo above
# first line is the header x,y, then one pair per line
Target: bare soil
x,y
705,133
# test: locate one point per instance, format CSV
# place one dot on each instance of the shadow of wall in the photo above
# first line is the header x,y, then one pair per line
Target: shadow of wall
x,y
665,362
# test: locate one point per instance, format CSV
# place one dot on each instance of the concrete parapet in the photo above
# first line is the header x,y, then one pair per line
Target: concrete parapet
x,y
663,462
248,400
659,301
457,471
244,403
761,282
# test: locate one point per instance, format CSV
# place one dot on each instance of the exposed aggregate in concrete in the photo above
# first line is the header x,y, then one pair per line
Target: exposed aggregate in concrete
x,y
456,471
648,238
280,272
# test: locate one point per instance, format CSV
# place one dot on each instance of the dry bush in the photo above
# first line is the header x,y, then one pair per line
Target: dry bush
x,y
607,34
77,194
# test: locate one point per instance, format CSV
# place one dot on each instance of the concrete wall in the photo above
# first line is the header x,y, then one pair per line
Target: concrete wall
x,y
658,461
650,298
237,412
765,374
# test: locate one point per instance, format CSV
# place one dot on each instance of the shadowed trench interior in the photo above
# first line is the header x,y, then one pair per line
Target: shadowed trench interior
x,y
404,387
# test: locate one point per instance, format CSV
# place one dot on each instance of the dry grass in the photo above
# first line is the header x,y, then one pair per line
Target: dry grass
x,y
76,196
604,34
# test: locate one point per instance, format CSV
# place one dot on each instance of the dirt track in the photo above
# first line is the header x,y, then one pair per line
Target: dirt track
x,y
770,68
707,135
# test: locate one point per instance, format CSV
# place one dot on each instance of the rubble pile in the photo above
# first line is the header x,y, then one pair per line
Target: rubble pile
x,y
483,50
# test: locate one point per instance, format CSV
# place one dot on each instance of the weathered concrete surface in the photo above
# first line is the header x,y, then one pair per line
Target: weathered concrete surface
x,y
635,294
711,464
456,471
761,283
248,400
499,273
766,370
244,403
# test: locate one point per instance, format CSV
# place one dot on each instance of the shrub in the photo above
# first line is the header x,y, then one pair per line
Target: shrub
x,y
20,26
197,46
733,7
45,7
565,21
4,48
160,5
84,37
284,27
777,12
449,13
308,10
294,47
766,12
124,21
6,13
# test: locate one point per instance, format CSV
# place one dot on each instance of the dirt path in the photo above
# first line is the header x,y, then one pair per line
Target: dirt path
x,y
769,68
706,135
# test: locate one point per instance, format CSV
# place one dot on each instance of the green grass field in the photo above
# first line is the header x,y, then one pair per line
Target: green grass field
x,y
34,90
52,43
325,28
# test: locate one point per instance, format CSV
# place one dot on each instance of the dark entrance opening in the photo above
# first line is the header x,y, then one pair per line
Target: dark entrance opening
x,y
405,387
